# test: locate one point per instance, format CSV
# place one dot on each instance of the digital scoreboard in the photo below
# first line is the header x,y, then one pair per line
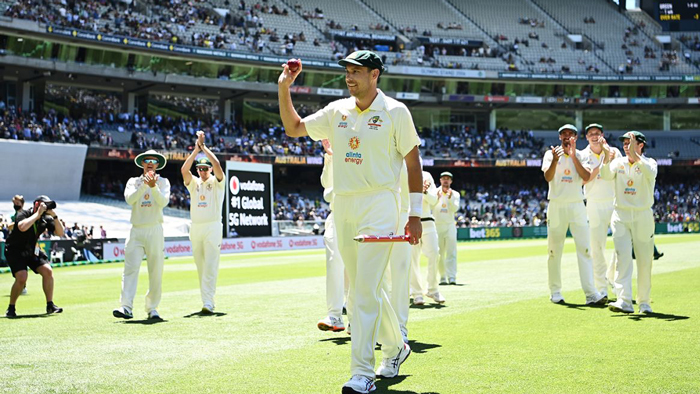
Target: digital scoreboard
x,y
679,10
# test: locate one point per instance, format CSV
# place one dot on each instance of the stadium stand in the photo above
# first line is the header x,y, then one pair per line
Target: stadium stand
x,y
627,47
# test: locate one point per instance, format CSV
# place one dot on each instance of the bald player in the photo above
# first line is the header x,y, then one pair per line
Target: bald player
x,y
564,171
335,270
599,204
634,177
396,278
147,194
206,201
429,246
372,135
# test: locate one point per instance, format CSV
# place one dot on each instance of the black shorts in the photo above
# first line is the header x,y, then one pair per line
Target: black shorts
x,y
26,259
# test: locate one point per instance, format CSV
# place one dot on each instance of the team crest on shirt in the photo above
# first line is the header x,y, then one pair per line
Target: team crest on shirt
x,y
637,170
375,123
354,143
209,187
146,203
354,157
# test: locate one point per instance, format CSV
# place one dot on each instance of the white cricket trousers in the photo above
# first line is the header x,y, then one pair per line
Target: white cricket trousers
x,y
599,213
447,244
396,276
149,241
373,319
206,250
430,248
633,228
335,271
560,217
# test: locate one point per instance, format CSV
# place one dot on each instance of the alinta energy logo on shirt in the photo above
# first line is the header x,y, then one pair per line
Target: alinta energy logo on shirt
x,y
629,189
375,123
146,201
202,201
343,124
354,157
567,178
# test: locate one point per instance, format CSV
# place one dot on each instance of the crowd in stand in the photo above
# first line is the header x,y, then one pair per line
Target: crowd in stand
x,y
470,143
677,202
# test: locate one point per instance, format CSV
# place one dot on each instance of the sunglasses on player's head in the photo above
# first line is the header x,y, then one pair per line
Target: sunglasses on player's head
x,y
150,161
202,168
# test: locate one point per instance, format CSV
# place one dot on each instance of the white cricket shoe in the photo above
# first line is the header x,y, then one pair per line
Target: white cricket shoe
x,y
404,333
359,384
452,281
621,306
153,315
330,323
418,300
645,308
557,298
437,297
390,366
207,309
597,299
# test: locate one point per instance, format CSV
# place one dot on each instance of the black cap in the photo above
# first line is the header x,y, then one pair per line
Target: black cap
x,y
637,135
365,59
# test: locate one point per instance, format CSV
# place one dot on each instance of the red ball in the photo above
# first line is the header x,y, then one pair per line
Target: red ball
x,y
294,65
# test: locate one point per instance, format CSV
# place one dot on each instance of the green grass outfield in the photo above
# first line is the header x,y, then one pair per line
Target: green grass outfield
x,y
497,333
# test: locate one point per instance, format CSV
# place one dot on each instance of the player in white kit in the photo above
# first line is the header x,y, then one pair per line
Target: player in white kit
x,y
396,278
372,135
564,171
429,246
147,194
633,220
206,201
335,270
599,204
446,227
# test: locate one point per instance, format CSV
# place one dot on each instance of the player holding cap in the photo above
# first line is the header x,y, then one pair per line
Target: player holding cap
x,y
147,194
599,203
563,169
371,135
632,220
446,227
429,246
206,200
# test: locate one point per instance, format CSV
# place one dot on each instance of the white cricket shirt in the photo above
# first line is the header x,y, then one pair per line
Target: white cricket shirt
x,y
598,189
206,199
368,146
566,186
444,210
147,202
634,183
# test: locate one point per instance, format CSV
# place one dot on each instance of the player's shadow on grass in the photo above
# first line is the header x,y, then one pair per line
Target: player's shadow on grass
x,y
653,315
384,386
582,307
201,314
338,340
145,322
29,316
428,306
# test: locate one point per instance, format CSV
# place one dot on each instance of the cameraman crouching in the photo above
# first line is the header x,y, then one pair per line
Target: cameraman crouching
x,y
22,250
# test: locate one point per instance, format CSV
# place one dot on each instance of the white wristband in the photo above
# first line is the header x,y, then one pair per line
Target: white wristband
x,y
415,207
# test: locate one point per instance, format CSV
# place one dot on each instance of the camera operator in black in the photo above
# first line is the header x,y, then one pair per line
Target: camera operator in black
x,y
22,250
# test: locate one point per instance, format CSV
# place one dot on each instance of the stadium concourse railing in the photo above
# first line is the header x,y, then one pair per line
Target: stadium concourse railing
x,y
128,154
177,49
499,233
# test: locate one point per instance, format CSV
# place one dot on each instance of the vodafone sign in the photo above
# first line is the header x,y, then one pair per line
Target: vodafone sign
x,y
115,251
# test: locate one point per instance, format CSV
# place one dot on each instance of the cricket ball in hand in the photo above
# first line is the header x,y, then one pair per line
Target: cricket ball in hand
x,y
294,65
